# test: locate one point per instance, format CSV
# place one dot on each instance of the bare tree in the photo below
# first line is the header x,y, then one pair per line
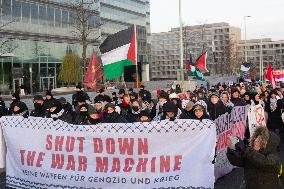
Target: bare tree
x,y
86,29
6,45
230,57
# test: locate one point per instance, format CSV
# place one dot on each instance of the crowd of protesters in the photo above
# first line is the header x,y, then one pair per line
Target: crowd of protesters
x,y
259,156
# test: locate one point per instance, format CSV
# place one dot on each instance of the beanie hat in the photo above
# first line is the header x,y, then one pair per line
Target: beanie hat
x,y
214,94
48,93
170,107
144,113
38,97
164,95
121,91
235,90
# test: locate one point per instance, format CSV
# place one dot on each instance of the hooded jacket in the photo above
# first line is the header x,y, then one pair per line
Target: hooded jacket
x,y
261,168
113,118
215,110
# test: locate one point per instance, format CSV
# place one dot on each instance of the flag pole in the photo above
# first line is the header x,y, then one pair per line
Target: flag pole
x,y
181,46
136,62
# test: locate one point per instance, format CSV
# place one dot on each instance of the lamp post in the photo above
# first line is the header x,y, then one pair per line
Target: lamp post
x,y
245,25
181,45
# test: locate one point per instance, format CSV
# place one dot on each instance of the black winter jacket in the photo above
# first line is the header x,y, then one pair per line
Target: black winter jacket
x,y
261,168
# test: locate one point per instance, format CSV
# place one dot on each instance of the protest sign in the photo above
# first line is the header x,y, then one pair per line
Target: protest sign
x,y
256,118
229,124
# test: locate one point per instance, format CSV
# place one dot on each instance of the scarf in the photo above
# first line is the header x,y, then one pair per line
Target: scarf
x,y
273,104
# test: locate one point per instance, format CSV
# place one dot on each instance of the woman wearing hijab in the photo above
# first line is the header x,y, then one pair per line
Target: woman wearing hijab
x,y
273,108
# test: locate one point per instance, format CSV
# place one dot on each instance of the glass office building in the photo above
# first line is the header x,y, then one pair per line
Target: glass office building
x,y
39,33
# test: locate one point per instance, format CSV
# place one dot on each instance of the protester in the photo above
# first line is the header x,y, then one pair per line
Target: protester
x,y
68,113
163,98
111,116
39,110
102,97
236,99
226,100
188,112
273,107
20,109
82,117
144,116
49,100
170,111
215,107
114,98
16,100
126,109
199,112
3,109
260,160
136,108
79,93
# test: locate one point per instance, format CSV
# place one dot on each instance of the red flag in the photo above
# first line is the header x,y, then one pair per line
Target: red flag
x,y
269,76
201,62
94,72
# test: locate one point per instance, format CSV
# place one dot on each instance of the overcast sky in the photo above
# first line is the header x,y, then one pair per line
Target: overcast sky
x,y
267,15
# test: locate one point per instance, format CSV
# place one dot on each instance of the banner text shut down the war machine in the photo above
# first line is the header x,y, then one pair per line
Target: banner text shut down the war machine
x,y
42,153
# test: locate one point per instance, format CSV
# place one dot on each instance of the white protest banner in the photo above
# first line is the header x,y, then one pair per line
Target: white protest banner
x,y
278,75
256,118
42,153
229,124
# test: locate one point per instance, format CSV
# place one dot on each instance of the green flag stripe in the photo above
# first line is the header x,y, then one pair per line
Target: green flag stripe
x,y
116,69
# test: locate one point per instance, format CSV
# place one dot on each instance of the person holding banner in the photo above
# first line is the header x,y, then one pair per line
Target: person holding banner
x,y
199,112
260,160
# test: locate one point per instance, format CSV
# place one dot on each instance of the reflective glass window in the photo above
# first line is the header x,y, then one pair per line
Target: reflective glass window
x,y
50,16
64,18
34,13
42,14
6,6
25,12
57,17
16,10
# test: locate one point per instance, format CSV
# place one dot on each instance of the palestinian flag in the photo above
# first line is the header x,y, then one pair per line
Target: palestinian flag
x,y
199,75
247,77
196,73
245,67
201,62
119,50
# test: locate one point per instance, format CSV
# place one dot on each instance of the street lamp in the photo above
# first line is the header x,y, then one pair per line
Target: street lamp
x,y
181,45
245,24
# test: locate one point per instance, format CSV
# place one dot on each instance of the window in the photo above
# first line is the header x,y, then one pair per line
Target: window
x,y
42,15
16,10
34,13
6,7
25,12
50,16
64,18
57,17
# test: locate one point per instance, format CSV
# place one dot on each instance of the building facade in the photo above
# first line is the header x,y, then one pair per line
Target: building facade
x,y
262,50
215,39
37,34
